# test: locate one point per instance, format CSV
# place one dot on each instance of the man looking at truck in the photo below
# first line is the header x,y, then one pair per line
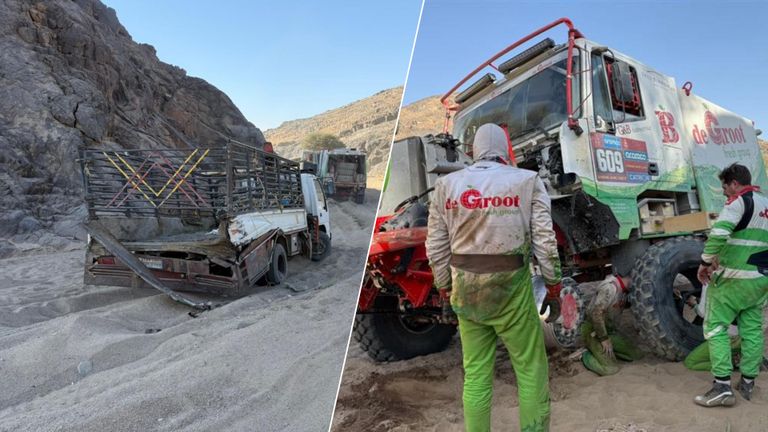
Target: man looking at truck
x,y
738,288
483,223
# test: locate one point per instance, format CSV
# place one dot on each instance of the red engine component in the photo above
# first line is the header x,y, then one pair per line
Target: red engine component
x,y
400,258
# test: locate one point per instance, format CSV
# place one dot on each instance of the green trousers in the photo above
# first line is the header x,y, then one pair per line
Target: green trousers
x,y
742,300
596,361
698,358
518,326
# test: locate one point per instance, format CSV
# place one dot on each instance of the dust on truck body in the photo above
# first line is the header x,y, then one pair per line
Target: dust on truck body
x,y
205,219
631,164
342,172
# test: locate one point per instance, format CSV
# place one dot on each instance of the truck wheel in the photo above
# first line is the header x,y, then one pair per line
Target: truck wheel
x,y
360,197
391,337
278,269
322,248
666,270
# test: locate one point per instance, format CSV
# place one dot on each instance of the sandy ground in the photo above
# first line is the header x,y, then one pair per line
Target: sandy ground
x,y
424,394
95,358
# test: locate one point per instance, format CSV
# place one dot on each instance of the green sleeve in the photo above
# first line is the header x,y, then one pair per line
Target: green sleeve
x,y
722,229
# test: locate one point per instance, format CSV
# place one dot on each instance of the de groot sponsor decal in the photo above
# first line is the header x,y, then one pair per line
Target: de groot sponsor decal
x,y
473,199
619,159
714,133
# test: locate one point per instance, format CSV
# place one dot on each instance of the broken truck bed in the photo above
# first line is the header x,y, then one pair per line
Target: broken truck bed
x,y
191,220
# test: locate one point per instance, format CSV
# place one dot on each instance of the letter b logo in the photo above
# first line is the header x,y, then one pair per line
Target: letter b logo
x,y
667,123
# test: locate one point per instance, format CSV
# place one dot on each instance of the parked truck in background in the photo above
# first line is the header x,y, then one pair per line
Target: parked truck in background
x,y
342,172
215,220
630,162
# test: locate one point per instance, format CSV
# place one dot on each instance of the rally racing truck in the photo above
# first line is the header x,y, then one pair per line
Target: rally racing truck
x,y
630,161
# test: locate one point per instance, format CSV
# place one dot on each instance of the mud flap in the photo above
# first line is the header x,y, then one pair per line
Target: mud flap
x,y
114,246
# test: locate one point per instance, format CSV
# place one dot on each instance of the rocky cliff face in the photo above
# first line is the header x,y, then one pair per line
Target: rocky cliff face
x,y
366,124
71,77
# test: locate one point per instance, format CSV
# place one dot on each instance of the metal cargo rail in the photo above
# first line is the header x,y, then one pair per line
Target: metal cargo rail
x,y
199,182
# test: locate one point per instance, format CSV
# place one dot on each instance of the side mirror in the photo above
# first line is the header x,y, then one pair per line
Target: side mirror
x,y
622,82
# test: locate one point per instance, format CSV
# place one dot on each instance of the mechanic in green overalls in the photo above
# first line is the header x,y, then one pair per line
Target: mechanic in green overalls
x,y
484,221
603,342
738,288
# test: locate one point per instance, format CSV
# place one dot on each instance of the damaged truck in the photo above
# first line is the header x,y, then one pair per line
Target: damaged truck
x,y
217,220
630,162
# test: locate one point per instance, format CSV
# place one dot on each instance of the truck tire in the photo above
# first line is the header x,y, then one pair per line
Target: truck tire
x,y
323,248
278,269
360,197
389,337
658,314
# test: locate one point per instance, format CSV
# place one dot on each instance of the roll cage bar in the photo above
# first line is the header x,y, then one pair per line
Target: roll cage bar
x,y
573,34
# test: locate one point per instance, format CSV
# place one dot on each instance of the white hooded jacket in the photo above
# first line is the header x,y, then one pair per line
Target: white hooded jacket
x,y
491,209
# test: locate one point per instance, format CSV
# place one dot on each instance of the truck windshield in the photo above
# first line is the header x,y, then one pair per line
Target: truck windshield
x,y
537,103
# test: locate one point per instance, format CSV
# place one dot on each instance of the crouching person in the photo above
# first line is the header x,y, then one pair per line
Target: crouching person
x,y
603,343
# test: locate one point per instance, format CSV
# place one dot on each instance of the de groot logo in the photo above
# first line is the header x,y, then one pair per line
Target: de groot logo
x,y
473,199
711,132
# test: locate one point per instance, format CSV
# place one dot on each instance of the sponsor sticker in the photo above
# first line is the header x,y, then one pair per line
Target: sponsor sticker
x,y
619,159
635,155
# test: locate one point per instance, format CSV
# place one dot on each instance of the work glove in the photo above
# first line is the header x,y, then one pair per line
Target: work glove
x,y
445,303
704,274
552,300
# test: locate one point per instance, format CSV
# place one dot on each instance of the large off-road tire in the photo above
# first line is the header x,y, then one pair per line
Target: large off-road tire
x,y
360,197
278,269
658,313
323,248
391,337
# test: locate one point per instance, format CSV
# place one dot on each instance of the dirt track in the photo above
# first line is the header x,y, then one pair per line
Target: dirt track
x,y
424,394
83,358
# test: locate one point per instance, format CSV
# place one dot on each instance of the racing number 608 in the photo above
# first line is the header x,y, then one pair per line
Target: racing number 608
x,y
609,161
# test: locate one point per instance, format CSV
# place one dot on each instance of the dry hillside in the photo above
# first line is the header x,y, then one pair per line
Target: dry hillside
x,y
422,117
366,124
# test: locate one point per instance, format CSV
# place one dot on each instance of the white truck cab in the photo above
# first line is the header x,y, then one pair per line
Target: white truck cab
x,y
318,215
315,202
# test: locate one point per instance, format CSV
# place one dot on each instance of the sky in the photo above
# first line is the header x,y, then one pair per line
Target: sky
x,y
719,46
280,60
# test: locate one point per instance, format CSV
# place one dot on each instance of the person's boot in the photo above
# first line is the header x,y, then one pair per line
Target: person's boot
x,y
746,388
721,394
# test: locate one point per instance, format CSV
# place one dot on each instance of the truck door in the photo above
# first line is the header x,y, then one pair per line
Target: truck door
x,y
637,118
321,205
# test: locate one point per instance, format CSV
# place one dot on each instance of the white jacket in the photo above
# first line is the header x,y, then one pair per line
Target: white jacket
x,y
491,209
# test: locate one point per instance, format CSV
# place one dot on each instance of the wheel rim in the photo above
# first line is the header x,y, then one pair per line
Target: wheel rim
x,y
685,284
412,325
320,248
